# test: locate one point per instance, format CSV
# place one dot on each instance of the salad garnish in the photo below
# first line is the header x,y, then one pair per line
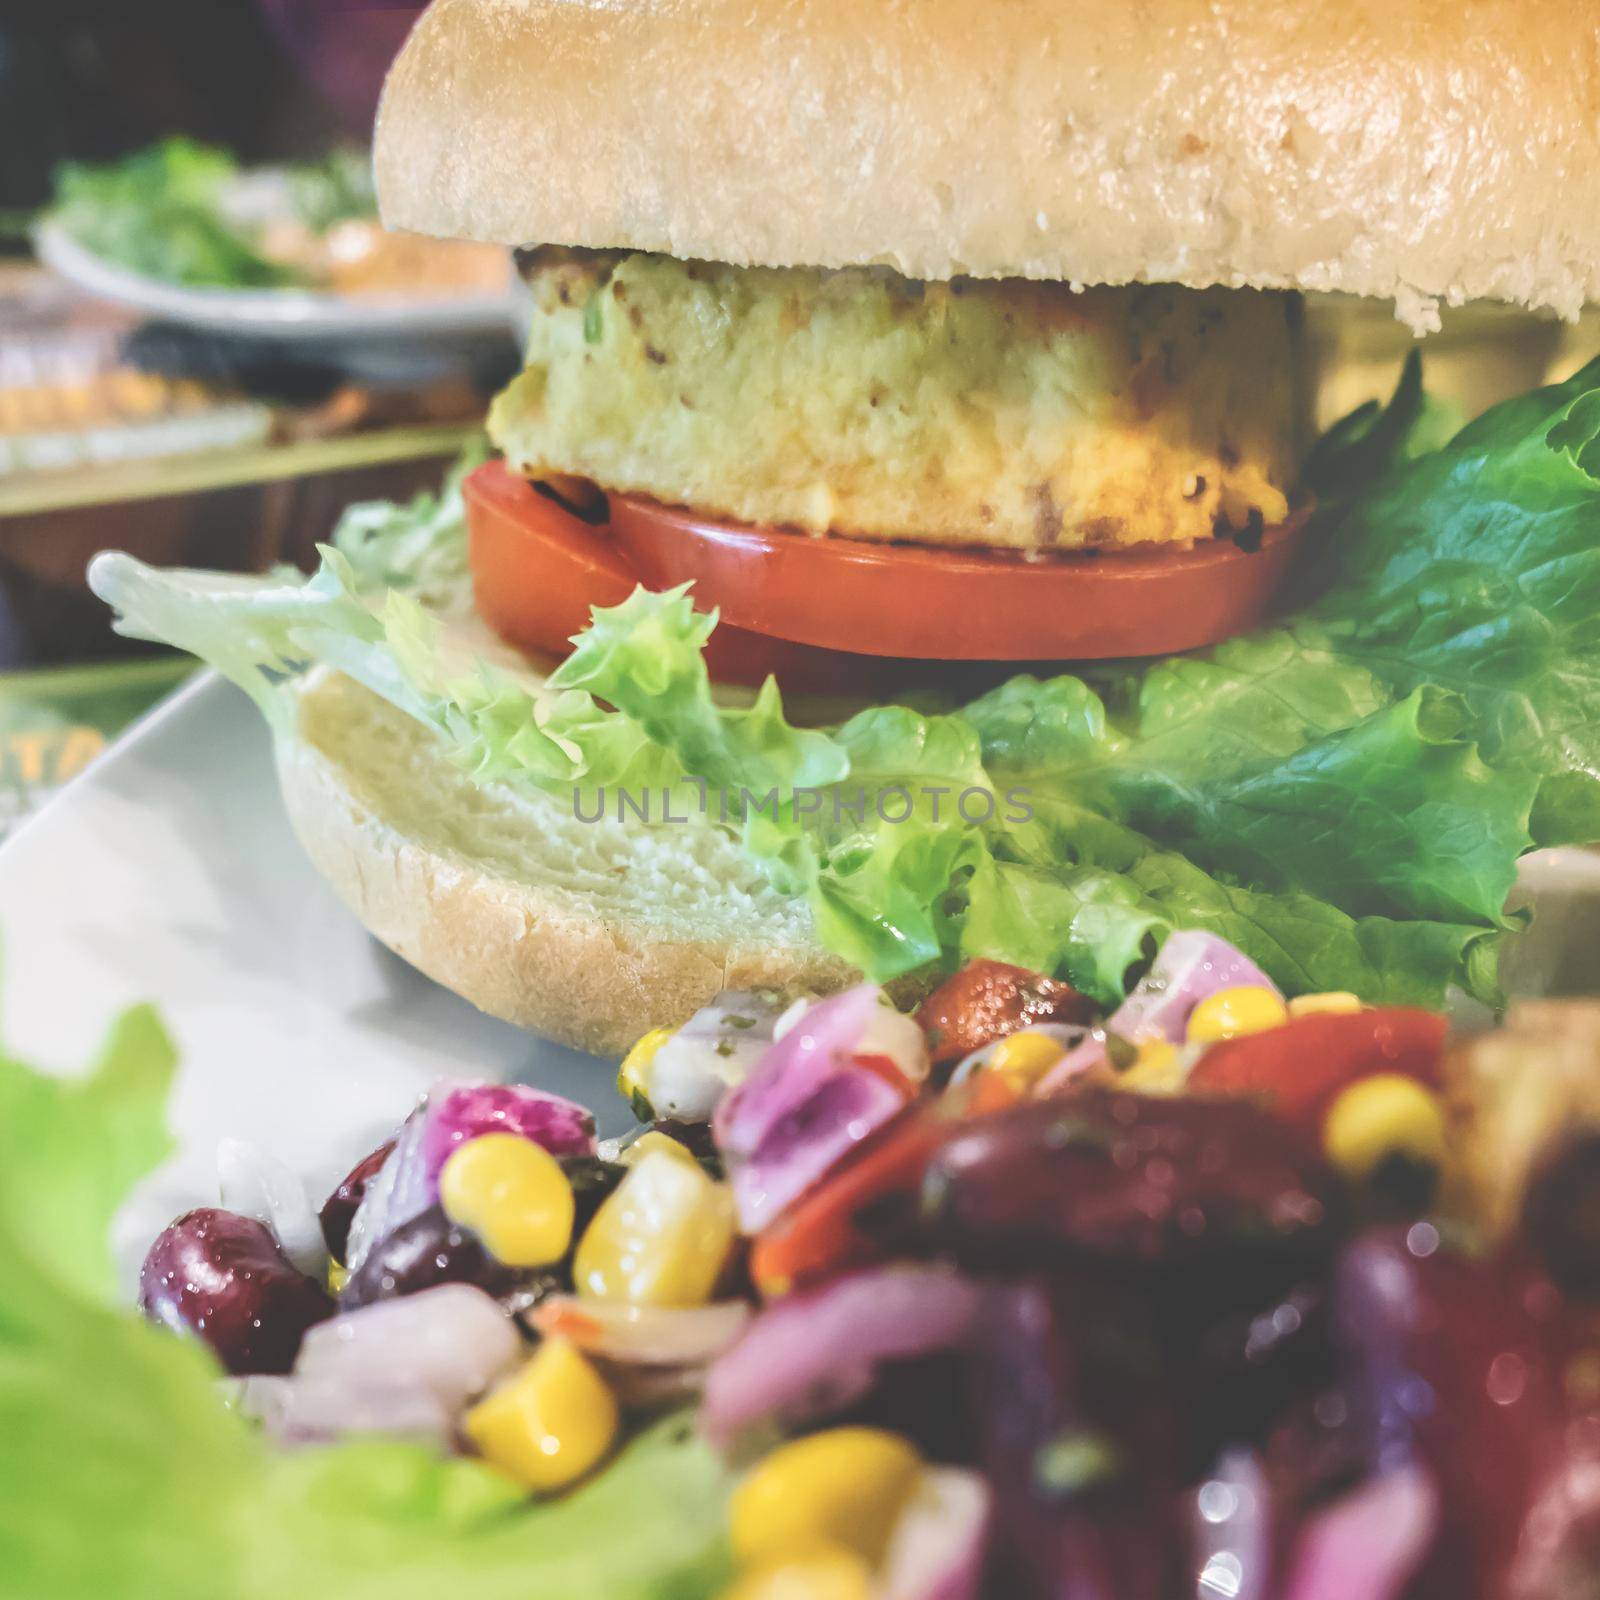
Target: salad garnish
x,y
1051,1320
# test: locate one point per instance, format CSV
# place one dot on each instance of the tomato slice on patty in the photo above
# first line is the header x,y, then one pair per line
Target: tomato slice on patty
x,y
832,614
538,569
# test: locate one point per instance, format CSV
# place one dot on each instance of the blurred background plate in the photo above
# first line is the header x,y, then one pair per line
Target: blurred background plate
x,y
287,314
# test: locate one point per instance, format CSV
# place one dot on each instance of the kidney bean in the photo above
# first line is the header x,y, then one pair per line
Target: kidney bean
x,y
1074,1414
340,1206
224,1278
1455,1363
430,1249
1132,1178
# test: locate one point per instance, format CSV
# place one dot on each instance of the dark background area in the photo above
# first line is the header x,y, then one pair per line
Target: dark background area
x,y
269,79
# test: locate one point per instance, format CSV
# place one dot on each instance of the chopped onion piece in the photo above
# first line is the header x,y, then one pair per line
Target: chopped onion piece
x,y
936,1548
891,1034
559,1125
664,1336
1231,1530
713,1052
791,1070
296,1410
806,1105
1191,965
255,1184
397,1192
451,1342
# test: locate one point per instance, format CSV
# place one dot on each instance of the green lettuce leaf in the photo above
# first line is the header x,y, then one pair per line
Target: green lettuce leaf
x,y
88,1141
1477,568
121,1472
1345,795
1374,439
159,212
163,212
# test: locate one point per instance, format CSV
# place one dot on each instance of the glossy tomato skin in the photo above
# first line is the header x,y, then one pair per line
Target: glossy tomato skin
x,y
986,1000
959,604
538,570
839,616
1300,1068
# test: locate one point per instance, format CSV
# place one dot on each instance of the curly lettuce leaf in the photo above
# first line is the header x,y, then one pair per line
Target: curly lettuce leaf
x,y
1477,569
1345,796
420,547
121,1472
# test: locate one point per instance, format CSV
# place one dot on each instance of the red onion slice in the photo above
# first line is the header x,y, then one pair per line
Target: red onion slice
x,y
396,1192
1231,1530
845,1108
451,1342
255,1184
561,1126
1368,1543
1191,965
303,1411
792,1069
817,1351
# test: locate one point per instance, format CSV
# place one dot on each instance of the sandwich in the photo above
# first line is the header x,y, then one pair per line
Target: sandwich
x,y
907,540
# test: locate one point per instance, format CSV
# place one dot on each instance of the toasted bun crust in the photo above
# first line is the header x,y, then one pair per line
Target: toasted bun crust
x,y
589,933
1419,150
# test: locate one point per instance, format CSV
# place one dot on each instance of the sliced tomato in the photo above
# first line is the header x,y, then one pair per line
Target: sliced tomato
x,y
827,1228
957,604
845,616
538,569
1299,1069
986,1000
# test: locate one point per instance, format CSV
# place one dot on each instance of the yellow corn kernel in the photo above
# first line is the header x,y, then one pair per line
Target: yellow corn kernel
x,y
633,1076
1157,1068
1231,1013
1334,1003
513,1194
654,1140
547,1425
1024,1058
1385,1115
845,1487
825,1573
660,1238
